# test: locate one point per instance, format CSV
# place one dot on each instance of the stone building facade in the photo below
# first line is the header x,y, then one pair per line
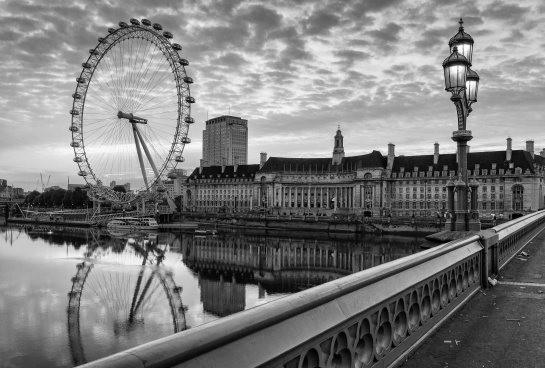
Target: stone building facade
x,y
510,181
227,188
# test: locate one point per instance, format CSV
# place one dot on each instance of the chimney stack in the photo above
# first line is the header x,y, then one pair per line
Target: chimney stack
x,y
509,151
223,164
530,147
436,153
391,155
201,166
263,159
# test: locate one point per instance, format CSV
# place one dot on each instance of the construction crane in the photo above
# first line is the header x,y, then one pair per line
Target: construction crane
x,y
47,184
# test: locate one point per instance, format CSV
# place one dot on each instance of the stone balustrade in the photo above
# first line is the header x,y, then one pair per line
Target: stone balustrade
x,y
374,318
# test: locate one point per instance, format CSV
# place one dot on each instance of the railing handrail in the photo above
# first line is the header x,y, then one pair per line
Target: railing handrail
x,y
225,330
516,222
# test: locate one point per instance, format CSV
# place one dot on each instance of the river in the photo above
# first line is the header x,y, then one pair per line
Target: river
x,y
71,295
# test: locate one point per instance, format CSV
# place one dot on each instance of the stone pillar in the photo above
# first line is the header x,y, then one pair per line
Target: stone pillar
x,y
474,224
449,225
461,205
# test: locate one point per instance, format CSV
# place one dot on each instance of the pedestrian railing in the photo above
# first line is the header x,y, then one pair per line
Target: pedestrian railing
x,y
374,318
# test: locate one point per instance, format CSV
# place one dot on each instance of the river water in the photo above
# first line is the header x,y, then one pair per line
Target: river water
x,y
69,296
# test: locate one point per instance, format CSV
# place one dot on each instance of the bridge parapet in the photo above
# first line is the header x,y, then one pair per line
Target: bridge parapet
x,y
373,318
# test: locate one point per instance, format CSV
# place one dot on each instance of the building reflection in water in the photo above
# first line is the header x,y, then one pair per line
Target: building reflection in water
x,y
224,264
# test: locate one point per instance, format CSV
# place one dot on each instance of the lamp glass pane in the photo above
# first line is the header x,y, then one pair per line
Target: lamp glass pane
x,y
471,90
457,76
464,48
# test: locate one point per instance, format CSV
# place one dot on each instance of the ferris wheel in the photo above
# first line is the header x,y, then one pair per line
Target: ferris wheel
x,y
131,111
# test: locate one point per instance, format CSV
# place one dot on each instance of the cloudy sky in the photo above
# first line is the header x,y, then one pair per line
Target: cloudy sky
x,y
294,69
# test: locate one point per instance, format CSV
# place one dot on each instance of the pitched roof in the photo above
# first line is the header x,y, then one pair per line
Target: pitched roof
x,y
229,172
290,164
519,158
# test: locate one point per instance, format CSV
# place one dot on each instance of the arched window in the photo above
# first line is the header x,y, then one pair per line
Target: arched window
x,y
518,193
367,176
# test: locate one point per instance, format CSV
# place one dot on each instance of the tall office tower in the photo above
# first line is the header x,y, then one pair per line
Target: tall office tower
x,y
225,141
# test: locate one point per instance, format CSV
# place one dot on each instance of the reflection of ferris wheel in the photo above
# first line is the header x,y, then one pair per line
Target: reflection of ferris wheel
x,y
131,110
125,290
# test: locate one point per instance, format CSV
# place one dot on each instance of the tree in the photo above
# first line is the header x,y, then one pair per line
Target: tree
x,y
30,196
58,196
47,197
120,188
37,200
67,200
77,197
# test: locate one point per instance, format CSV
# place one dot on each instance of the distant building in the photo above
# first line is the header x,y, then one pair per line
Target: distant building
x,y
225,141
112,184
73,187
54,187
226,188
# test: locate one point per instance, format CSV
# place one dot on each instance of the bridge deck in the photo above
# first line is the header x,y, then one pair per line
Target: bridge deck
x,y
502,326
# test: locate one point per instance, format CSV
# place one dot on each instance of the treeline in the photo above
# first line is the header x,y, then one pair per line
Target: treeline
x,y
59,198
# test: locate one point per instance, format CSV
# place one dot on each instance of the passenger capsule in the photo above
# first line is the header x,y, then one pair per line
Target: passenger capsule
x,y
189,120
190,99
188,80
177,47
172,175
86,65
161,189
82,173
93,52
179,159
74,112
74,144
146,22
183,62
73,128
134,21
101,39
123,24
157,27
167,34
81,80
77,159
111,30
76,96
186,140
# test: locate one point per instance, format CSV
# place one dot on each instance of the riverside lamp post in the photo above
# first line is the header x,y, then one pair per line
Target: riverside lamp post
x,y
463,84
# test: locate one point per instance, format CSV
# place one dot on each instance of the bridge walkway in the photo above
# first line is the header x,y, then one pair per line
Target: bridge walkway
x,y
501,327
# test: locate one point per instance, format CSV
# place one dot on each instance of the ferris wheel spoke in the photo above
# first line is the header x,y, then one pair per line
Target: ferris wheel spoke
x,y
144,105
152,80
113,90
143,90
161,81
133,79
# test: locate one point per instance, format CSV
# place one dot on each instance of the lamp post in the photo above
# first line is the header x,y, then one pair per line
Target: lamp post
x,y
463,84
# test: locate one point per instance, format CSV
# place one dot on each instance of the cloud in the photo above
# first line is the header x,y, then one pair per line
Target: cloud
x,y
349,57
295,69
505,12
321,22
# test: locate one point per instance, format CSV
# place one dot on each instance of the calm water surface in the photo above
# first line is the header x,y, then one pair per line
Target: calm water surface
x,y
69,296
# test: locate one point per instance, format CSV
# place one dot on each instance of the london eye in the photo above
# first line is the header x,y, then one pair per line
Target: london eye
x,y
131,111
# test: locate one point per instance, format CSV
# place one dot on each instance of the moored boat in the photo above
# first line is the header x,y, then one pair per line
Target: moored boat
x,y
134,223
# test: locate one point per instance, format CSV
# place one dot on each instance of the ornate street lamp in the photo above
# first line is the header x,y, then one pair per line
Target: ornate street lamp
x,y
463,84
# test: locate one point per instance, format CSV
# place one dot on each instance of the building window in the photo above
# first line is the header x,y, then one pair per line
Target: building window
x,y
518,193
